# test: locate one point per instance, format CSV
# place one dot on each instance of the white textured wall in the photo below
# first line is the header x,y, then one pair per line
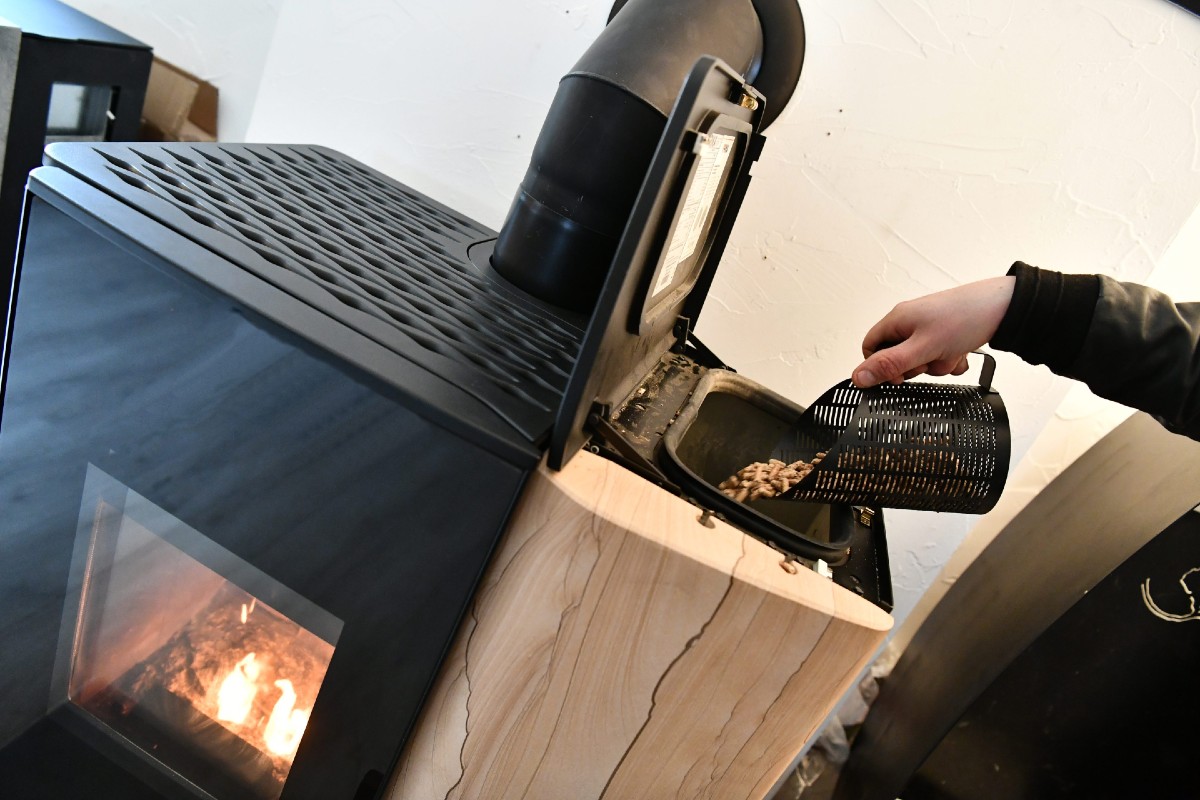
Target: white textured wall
x,y
448,97
931,142
224,42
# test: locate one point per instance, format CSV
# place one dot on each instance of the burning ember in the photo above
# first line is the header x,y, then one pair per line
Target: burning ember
x,y
235,702
236,697
238,673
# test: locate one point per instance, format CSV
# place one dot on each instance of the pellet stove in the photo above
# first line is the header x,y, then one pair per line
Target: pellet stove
x,y
266,413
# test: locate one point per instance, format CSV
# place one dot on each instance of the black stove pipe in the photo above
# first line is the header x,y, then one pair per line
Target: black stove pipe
x,y
601,132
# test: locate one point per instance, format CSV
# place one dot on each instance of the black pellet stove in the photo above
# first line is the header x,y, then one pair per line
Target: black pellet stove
x,y
266,412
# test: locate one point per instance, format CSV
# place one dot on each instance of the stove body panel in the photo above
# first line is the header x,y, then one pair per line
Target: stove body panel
x,y
237,419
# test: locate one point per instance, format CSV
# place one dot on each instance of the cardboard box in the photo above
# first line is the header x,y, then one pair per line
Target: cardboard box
x,y
180,107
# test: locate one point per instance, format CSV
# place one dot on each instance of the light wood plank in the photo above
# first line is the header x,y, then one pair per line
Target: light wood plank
x,y
618,648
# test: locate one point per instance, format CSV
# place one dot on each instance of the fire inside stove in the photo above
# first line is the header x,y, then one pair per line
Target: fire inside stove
x,y
167,649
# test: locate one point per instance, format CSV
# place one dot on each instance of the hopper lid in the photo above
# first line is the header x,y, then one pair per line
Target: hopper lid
x,y
671,246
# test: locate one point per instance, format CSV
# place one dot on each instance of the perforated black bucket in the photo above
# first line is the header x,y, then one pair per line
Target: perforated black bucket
x,y
927,446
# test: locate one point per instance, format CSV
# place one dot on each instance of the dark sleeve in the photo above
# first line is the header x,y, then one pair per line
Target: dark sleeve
x,y
1048,317
1127,342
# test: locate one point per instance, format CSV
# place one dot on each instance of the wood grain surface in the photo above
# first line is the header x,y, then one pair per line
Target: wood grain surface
x,y
618,648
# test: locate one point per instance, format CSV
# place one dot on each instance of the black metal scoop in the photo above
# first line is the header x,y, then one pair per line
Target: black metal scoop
x,y
920,445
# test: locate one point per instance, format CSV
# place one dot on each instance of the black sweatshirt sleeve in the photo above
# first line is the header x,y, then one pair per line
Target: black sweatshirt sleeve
x,y
1048,317
1127,342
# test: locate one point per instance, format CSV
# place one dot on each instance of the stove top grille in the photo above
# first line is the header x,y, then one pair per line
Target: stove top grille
x,y
395,262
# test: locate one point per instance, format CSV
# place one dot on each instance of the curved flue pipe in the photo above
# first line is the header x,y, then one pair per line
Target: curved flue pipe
x,y
595,147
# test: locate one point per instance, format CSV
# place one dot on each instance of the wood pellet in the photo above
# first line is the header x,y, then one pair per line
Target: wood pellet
x,y
764,479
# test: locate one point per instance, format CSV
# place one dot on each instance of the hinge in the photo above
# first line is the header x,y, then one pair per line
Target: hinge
x,y
598,416
757,142
599,420
681,331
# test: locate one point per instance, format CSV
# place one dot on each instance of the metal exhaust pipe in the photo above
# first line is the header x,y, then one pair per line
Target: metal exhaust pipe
x,y
604,124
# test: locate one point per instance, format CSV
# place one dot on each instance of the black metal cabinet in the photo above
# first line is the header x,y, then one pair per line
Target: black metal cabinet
x,y
70,77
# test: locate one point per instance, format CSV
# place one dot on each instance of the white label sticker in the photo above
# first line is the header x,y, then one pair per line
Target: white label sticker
x,y
715,150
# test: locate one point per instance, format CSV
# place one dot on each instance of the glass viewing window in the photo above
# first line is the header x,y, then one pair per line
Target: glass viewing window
x,y
169,642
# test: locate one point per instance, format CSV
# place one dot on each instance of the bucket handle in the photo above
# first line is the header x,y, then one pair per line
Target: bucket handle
x,y
987,372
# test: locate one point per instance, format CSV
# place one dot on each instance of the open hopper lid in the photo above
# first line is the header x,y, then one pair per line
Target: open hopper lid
x,y
671,247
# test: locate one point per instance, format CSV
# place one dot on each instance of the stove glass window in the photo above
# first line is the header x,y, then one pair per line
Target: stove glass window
x,y
175,646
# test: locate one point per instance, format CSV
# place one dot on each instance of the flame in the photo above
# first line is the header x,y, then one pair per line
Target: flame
x,y
287,723
236,696
258,677
235,702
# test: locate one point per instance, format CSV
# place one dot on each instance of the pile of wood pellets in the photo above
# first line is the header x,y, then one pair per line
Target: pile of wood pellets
x,y
767,478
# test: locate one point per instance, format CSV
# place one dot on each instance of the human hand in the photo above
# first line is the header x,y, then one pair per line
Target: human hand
x,y
934,333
